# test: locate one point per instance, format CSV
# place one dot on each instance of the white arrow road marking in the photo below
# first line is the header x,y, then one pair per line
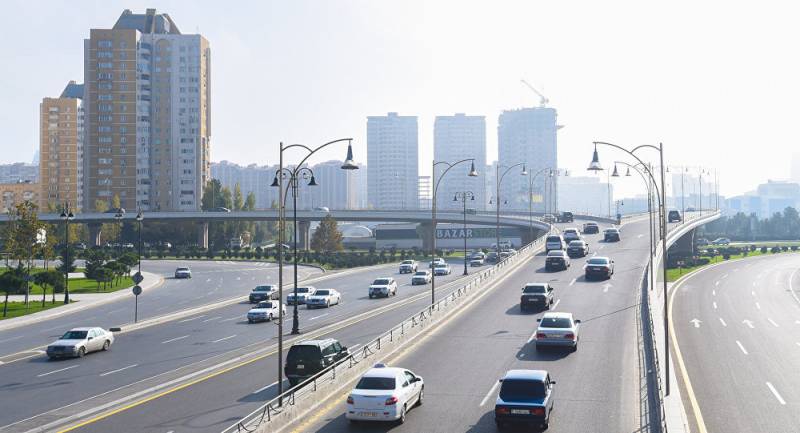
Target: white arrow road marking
x,y
741,347
56,371
696,322
489,394
773,322
606,287
758,305
238,278
174,339
775,393
748,323
715,305
118,370
723,322
224,338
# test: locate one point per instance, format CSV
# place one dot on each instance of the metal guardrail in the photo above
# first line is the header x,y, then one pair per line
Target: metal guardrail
x,y
282,410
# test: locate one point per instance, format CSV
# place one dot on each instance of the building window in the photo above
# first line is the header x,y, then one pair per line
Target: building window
x,y
104,128
105,75
104,139
105,118
105,65
105,43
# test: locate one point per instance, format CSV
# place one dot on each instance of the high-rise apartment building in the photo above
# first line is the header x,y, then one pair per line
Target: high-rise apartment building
x,y
393,162
19,172
61,130
147,104
252,178
336,188
527,134
456,138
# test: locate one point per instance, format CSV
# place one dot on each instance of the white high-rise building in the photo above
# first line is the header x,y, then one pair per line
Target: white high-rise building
x,y
336,187
456,138
586,195
529,135
393,162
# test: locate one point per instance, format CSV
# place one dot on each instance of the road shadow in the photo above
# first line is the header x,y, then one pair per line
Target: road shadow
x,y
516,310
485,423
529,352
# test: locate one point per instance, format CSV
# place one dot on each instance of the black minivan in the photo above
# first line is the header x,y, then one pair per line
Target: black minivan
x,y
307,358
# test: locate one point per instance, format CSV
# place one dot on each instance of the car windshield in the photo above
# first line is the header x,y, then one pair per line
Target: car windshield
x,y
557,253
408,262
376,383
555,322
302,290
75,335
538,288
264,305
421,273
441,265
322,293
570,232
382,281
553,239
522,390
263,289
576,244
182,269
598,261
302,353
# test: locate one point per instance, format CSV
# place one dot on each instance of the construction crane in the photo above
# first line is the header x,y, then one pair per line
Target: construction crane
x,y
542,99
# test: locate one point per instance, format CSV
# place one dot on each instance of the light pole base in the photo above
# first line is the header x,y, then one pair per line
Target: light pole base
x,y
295,332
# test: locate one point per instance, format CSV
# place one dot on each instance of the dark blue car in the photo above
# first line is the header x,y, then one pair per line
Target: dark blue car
x,y
526,396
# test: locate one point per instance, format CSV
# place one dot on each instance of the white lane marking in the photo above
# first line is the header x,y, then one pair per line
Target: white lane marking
x,y
208,280
713,292
716,283
753,293
797,343
639,236
118,370
238,278
265,387
715,305
254,278
12,338
230,319
573,281
724,276
56,371
601,247
748,323
556,304
192,318
773,322
754,283
489,394
209,293
113,311
317,317
741,347
224,338
758,305
174,339
532,337
723,322
213,318
775,393
606,287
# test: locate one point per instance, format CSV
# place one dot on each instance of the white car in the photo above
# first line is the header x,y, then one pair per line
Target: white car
x,y
80,341
323,298
477,261
442,269
571,234
265,311
435,262
302,294
408,266
558,329
421,277
183,273
385,394
385,287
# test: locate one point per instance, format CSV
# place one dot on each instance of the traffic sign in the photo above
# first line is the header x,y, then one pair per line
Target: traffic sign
x,y
138,278
137,290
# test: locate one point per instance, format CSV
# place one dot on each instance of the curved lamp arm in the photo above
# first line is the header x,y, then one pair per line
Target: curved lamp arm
x,y
647,169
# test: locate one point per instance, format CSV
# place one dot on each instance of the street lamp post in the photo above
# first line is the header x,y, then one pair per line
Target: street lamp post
x,y
498,180
530,198
139,219
662,197
435,183
290,174
66,216
649,209
464,196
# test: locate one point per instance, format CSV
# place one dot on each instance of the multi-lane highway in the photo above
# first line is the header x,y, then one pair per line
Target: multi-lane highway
x,y
598,386
737,326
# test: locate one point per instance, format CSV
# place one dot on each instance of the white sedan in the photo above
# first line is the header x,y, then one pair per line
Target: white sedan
x,y
442,269
385,394
559,330
265,311
80,341
323,298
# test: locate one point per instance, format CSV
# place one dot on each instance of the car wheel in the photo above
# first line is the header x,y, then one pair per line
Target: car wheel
x,y
328,304
370,296
249,320
106,345
547,306
421,397
402,416
81,352
269,317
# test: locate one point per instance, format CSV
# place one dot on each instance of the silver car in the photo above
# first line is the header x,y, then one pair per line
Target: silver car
x,y
558,329
80,341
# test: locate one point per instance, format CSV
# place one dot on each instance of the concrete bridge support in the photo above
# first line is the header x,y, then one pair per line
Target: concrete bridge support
x,y
95,230
304,235
202,234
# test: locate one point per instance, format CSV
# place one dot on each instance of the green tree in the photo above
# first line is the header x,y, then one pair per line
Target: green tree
x,y
238,198
50,278
250,202
22,235
11,283
95,259
327,237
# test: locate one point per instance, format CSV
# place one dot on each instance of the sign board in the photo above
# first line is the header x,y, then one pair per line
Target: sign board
x,y
138,278
137,290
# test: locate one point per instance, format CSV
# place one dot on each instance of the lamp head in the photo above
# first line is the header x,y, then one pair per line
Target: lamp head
x,y
615,173
472,171
595,164
313,181
349,164
275,182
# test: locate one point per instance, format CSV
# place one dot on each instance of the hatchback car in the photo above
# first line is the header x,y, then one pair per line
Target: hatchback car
x,y
264,293
265,311
302,294
536,295
383,287
591,228
554,242
421,277
557,260
385,394
601,267
526,396
611,235
578,248
183,273
558,329
80,341
323,298
307,358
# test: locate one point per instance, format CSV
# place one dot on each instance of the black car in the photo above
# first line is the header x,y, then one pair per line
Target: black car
x,y
566,217
600,267
264,293
526,396
578,248
611,235
538,295
307,358
674,216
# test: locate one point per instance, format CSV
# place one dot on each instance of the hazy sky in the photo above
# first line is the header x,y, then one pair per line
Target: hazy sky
x,y
716,82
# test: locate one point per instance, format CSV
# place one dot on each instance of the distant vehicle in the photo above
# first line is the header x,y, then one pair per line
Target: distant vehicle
x,y
471,211
691,209
556,260
265,311
721,241
421,277
477,261
526,396
383,287
566,217
549,218
442,269
578,248
128,246
558,329
511,251
408,266
674,216
492,257
385,394
590,228
554,242
478,255
536,295
264,293
238,242
504,254
219,209
436,261
599,267
323,298
302,294
570,234
80,341
504,245
611,235
183,273
322,209
702,242
309,357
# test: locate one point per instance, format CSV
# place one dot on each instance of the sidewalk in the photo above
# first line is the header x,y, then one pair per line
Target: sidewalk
x,y
86,300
